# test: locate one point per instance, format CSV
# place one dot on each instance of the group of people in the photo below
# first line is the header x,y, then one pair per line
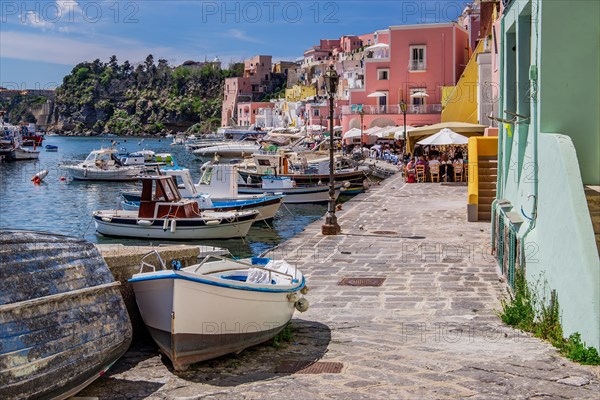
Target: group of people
x,y
442,163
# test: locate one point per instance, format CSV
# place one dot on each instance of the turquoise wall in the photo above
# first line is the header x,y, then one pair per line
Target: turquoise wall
x,y
550,155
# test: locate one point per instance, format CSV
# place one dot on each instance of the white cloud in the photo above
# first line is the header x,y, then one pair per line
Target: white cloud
x,y
60,50
37,21
240,35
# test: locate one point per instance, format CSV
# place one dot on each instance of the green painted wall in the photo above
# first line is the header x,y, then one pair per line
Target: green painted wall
x,y
560,39
570,78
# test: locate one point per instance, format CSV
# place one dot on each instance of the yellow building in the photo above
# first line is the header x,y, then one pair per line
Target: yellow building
x,y
459,103
300,92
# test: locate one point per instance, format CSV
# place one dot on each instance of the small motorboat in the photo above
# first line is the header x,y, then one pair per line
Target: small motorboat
x,y
20,153
228,151
63,321
51,147
218,306
104,165
293,194
163,214
266,205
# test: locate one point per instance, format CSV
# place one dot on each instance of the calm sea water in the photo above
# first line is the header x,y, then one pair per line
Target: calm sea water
x,y
66,207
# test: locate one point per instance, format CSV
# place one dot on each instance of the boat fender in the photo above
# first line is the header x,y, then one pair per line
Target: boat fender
x,y
85,172
304,290
176,265
302,305
346,184
166,224
292,297
213,222
36,180
144,222
106,219
173,226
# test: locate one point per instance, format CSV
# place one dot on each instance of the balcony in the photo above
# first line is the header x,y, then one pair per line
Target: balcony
x,y
393,109
417,65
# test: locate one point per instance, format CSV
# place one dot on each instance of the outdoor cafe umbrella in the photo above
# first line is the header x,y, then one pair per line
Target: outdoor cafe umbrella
x,y
444,137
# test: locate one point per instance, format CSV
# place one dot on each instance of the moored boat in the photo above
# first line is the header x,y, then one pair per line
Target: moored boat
x,y
216,307
104,165
63,321
20,153
163,214
51,147
293,194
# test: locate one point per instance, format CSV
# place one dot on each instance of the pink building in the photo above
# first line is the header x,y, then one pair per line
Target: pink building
x,y
253,85
407,63
247,112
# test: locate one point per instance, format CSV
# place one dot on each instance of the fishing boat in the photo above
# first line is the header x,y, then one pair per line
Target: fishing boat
x,y
293,194
51,148
163,214
20,153
300,170
63,321
266,205
104,165
216,307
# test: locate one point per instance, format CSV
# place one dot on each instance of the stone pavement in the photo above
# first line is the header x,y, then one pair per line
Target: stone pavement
x,y
429,332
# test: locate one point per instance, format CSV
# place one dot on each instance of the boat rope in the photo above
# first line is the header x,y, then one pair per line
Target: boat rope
x,y
264,219
52,297
88,227
286,207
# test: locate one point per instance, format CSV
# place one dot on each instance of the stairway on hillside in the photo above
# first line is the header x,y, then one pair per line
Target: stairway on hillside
x,y
592,194
488,172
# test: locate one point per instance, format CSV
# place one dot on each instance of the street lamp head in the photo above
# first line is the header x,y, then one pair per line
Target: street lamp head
x,y
331,80
403,106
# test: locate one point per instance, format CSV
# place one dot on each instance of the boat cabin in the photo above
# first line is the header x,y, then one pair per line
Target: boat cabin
x,y
103,158
161,198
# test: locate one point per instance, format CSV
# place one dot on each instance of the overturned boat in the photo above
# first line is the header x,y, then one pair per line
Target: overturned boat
x,y
63,322
216,307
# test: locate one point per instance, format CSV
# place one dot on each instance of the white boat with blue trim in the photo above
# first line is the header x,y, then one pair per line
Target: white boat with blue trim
x,y
163,214
292,194
216,307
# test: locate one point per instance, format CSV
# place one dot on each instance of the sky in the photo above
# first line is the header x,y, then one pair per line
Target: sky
x,y
41,41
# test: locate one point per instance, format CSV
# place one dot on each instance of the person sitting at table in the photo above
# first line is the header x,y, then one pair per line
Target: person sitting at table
x,y
410,171
446,169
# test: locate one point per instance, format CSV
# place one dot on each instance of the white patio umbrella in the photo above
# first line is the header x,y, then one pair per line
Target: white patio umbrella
x,y
398,131
444,137
352,133
419,95
377,94
378,46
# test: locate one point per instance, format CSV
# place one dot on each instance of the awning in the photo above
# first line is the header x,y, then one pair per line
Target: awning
x,y
444,137
378,46
377,94
463,128
419,95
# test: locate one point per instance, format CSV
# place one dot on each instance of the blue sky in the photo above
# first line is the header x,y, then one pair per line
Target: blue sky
x,y
41,41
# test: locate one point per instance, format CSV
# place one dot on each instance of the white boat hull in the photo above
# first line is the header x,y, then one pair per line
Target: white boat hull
x,y
298,195
25,154
97,174
192,320
125,224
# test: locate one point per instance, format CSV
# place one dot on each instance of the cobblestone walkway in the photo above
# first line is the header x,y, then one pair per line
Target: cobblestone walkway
x,y
430,330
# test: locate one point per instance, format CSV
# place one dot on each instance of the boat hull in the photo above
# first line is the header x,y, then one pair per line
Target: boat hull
x,y
355,177
24,154
96,174
63,322
108,224
189,334
297,195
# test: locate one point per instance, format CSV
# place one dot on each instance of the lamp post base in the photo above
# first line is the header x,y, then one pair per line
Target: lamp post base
x,y
330,227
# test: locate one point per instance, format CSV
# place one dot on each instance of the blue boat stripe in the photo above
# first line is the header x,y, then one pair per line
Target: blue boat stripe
x,y
173,275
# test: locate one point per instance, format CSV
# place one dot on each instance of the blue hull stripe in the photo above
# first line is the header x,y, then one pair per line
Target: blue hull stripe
x,y
173,275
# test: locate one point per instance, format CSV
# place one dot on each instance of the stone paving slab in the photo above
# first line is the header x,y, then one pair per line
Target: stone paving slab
x,y
430,331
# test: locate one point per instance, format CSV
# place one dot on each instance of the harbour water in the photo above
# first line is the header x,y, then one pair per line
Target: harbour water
x,y
66,207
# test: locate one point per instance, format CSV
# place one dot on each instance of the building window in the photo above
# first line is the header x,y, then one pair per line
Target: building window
x,y
383,74
316,112
417,100
417,58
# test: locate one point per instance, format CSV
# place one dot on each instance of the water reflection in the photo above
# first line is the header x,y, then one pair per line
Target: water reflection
x,y
66,206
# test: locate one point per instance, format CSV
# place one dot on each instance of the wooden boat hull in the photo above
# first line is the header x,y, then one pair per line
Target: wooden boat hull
x,y
63,322
127,225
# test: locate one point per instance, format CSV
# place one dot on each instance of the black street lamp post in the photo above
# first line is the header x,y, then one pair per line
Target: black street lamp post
x,y
331,226
403,109
362,117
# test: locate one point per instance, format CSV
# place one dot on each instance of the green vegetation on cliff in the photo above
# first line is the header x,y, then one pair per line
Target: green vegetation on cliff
x,y
147,98
18,107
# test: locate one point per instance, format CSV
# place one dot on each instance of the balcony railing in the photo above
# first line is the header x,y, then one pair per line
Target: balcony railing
x,y
416,65
393,109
